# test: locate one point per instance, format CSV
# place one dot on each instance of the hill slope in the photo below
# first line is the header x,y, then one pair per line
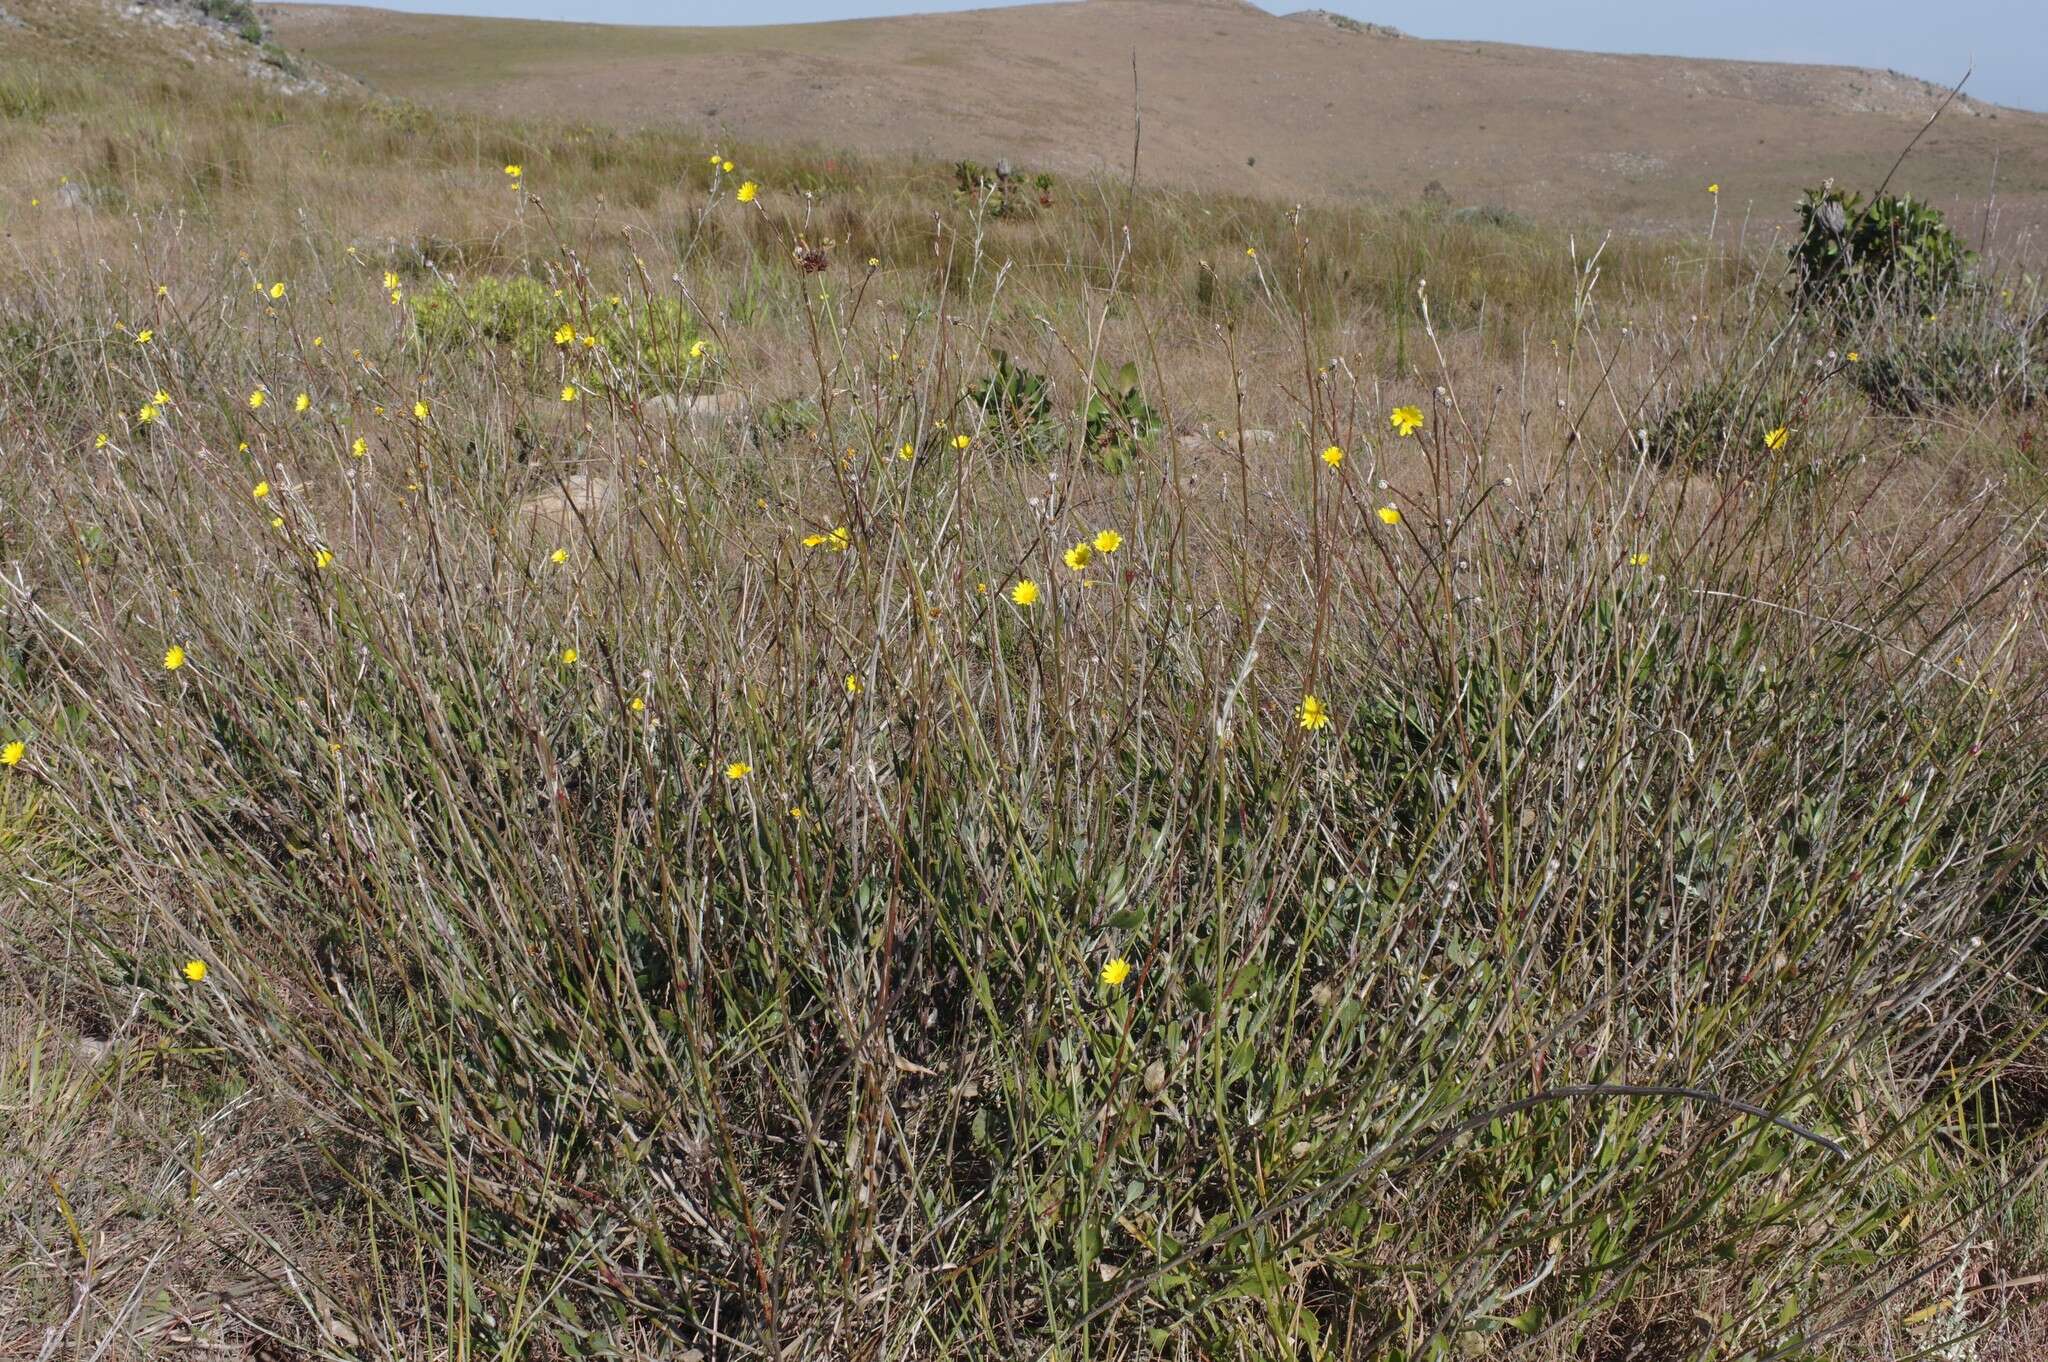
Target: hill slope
x,y
1232,99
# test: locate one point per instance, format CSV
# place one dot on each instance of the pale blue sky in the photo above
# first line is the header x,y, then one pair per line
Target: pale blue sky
x,y
1934,39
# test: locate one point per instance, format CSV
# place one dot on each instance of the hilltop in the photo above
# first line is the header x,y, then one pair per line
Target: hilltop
x,y
1233,99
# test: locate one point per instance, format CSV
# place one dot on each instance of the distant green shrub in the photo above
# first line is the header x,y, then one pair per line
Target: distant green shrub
x,y
648,341
236,14
1894,250
1118,419
1009,192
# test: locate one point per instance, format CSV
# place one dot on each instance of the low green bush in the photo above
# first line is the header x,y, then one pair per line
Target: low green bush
x,y
649,342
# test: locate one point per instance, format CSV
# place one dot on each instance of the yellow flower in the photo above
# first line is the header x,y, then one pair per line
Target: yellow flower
x,y
322,557
569,656
144,336
714,158
1108,541
360,447
146,413
1713,189
564,334
590,342
1405,420
419,411
747,191
836,541
194,970
1251,252
1312,713
1333,456
907,452
568,392
174,657
558,557
99,441
1639,559
738,770
796,811
637,705
319,341
1389,516
260,490
1777,439
277,290
397,294
1079,556
1025,592
12,754
1855,358
257,399
853,685
162,398
390,279
963,440
301,402
515,171
1115,972
726,166
699,349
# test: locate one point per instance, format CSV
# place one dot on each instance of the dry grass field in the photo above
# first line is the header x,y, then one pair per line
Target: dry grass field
x,y
618,744
1233,100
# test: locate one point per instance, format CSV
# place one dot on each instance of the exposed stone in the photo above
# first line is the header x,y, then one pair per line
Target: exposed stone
x,y
563,510
1227,439
698,411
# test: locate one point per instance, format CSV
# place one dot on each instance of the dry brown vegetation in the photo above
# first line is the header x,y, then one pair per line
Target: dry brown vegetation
x,y
1233,101
655,879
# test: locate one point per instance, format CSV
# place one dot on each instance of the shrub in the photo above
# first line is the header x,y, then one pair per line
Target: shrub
x,y
1018,402
1711,426
1118,419
1895,250
647,341
1978,352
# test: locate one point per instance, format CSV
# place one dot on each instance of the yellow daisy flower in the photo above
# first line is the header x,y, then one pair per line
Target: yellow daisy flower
x,y
1312,713
1115,972
1025,592
1405,420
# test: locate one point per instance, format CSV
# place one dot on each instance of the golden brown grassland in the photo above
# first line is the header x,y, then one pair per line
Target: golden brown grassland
x,y
640,931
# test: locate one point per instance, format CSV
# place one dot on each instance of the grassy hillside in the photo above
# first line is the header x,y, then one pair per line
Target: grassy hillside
x,y
1233,100
612,745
